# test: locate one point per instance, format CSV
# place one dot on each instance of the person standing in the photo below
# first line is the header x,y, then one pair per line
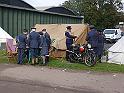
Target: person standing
x,y
33,43
21,45
69,40
45,42
101,41
92,39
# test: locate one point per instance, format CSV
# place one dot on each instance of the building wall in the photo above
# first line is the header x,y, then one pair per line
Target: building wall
x,y
14,20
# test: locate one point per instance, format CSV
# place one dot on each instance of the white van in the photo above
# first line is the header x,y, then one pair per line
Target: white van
x,y
112,35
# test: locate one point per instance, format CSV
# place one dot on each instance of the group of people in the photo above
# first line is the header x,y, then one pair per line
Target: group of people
x,y
37,44
94,37
34,45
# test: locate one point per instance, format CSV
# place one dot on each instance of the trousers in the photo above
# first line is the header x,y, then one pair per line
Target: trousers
x,y
21,55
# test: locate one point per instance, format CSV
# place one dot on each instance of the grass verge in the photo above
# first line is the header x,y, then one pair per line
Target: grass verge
x,y
61,63
3,57
99,67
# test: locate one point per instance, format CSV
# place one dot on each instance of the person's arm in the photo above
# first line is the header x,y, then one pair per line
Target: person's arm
x,y
41,41
70,36
28,40
49,39
87,37
17,41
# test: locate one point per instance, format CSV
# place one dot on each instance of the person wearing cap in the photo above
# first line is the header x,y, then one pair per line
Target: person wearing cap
x,y
101,40
45,42
69,40
92,39
33,43
21,45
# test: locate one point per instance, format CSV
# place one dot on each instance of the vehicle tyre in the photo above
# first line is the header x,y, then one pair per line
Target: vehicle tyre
x,y
90,58
72,58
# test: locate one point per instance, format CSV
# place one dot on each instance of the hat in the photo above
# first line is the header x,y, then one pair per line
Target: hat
x,y
33,28
44,29
25,30
68,27
100,30
92,26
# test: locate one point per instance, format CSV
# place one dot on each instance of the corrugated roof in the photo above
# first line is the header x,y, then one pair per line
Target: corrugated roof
x,y
21,8
19,3
57,9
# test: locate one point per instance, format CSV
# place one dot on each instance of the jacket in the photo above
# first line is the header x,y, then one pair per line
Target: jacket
x,y
21,41
69,38
34,40
92,38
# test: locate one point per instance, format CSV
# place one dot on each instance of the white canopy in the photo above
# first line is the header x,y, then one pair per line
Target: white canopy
x,y
116,52
4,35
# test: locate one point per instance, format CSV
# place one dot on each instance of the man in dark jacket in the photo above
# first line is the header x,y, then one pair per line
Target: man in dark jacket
x,y
69,40
101,40
21,44
33,43
92,38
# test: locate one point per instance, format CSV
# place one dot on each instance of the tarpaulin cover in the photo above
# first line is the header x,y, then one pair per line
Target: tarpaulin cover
x,y
57,33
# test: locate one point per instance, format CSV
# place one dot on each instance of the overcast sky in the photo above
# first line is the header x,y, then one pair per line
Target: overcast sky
x,y
46,2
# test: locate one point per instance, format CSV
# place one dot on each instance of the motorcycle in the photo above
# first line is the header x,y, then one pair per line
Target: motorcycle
x,y
82,54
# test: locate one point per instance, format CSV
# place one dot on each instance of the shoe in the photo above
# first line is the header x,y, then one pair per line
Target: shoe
x,y
44,64
40,64
20,63
47,59
32,64
37,63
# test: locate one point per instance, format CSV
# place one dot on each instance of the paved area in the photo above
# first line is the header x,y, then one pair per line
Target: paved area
x,y
63,80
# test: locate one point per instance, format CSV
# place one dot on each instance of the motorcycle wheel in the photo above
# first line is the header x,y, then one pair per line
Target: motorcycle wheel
x,y
90,58
72,58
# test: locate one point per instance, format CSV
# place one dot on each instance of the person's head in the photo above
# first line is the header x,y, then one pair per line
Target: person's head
x,y
92,27
33,29
69,28
25,31
43,31
100,31
40,33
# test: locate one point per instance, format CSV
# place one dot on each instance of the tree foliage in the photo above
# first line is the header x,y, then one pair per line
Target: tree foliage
x,y
101,13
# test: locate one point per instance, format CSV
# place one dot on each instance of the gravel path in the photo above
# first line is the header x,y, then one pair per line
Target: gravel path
x,y
99,82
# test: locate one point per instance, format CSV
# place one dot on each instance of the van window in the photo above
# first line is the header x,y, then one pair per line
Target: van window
x,y
109,31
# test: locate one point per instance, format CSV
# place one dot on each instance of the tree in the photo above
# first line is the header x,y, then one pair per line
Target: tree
x,y
101,13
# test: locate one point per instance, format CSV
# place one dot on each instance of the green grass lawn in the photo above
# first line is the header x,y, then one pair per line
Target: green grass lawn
x,y
99,67
3,57
61,63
